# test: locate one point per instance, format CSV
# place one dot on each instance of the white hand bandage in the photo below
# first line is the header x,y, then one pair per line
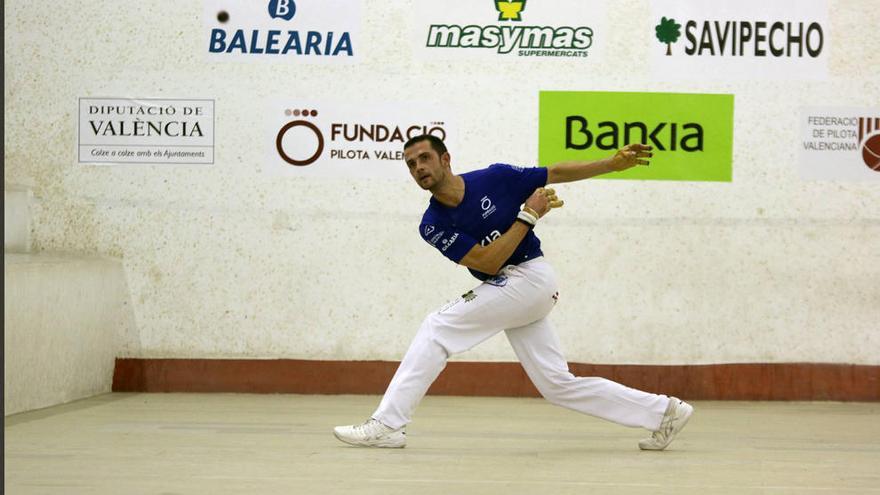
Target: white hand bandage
x,y
554,202
528,216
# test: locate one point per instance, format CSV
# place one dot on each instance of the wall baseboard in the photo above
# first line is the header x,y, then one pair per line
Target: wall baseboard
x,y
774,381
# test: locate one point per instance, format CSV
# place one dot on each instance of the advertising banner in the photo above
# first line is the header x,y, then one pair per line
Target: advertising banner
x,y
743,40
286,31
328,139
145,130
692,134
840,143
566,30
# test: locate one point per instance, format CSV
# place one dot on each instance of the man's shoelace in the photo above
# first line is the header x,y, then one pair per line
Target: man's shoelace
x,y
371,427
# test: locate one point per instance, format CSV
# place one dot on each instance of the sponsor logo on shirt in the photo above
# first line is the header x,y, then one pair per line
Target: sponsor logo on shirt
x,y
437,237
489,238
487,206
449,242
429,229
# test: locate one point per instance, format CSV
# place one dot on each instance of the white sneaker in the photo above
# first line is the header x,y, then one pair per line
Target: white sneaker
x,y
372,434
677,414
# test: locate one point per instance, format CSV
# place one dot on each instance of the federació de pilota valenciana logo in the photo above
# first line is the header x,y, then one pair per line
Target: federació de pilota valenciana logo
x,y
840,143
869,140
511,35
741,38
849,135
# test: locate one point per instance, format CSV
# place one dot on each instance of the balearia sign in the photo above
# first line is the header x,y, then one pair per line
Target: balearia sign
x,y
749,39
322,31
692,134
523,28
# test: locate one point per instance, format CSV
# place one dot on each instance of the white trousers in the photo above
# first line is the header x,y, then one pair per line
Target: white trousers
x,y
517,302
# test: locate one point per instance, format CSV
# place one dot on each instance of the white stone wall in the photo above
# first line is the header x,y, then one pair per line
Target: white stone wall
x,y
226,261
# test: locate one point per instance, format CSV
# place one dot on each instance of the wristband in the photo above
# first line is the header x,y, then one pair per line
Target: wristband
x,y
527,224
527,217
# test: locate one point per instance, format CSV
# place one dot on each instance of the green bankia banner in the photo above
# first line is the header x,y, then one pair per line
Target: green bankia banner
x,y
692,134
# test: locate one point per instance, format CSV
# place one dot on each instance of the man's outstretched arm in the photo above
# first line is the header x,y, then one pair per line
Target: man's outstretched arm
x,y
627,157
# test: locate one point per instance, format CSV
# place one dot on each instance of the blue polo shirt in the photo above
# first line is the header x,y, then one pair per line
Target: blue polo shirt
x,y
492,199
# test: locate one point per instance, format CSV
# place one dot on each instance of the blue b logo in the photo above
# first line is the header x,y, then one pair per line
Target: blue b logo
x,y
284,9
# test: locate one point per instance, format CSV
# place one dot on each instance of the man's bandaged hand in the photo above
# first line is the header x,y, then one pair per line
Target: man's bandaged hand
x,y
542,201
552,200
629,156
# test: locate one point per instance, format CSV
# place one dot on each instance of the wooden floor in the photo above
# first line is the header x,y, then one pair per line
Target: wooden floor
x,y
265,444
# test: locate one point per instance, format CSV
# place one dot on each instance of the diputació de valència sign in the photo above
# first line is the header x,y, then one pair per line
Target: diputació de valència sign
x,y
145,130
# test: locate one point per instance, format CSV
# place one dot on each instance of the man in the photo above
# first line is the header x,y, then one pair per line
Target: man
x,y
474,219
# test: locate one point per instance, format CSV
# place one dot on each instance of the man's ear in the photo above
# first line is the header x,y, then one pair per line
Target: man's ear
x,y
446,159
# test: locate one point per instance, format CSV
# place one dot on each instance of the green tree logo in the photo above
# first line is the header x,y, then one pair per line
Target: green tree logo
x,y
668,31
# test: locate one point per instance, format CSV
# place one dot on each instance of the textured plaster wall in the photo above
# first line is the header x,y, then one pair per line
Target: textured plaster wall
x,y
226,261
65,319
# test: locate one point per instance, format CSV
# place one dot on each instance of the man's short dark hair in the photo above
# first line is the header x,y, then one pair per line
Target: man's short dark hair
x,y
436,143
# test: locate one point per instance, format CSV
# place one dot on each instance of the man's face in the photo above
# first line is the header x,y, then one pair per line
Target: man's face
x,y
426,167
